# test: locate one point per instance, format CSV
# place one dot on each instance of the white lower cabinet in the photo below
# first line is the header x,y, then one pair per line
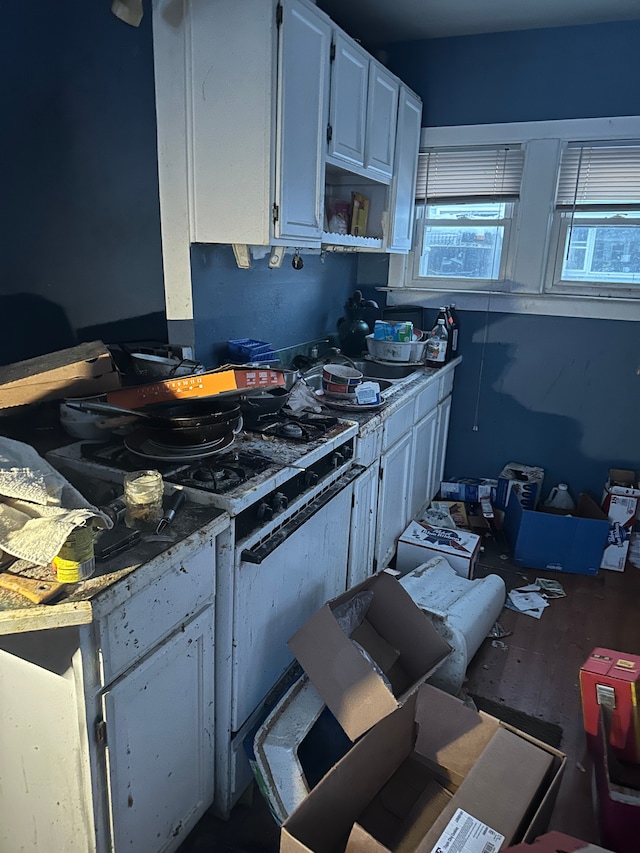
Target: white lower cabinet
x,y
414,446
363,526
393,497
107,737
423,461
159,740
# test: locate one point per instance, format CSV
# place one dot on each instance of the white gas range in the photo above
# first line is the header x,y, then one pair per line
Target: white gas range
x,y
289,493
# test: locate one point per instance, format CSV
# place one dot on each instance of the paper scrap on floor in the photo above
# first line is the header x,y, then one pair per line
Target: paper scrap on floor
x,y
527,600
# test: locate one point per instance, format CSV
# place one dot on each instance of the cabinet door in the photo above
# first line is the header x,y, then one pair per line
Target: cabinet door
x,y
403,184
423,461
382,115
393,498
159,720
348,103
363,526
442,434
302,115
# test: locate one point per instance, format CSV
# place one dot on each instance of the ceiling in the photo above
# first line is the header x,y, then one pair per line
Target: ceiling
x,y
377,22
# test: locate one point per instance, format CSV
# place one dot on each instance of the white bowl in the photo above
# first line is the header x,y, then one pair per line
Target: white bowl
x,y
409,352
80,424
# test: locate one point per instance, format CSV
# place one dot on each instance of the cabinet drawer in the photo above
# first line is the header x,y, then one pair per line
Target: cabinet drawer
x,y
426,400
397,424
130,630
446,385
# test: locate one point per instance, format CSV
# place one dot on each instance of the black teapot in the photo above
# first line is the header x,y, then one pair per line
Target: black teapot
x,y
354,326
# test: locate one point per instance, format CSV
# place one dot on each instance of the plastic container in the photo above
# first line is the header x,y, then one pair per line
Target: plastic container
x,y
248,349
76,560
409,352
438,348
559,498
143,491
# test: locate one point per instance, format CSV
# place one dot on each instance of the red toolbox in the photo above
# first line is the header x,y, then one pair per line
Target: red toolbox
x,y
611,679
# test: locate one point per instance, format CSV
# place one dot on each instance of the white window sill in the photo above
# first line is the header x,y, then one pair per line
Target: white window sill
x,y
603,308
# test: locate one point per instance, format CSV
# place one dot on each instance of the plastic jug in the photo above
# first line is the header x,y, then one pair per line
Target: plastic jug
x,y
559,498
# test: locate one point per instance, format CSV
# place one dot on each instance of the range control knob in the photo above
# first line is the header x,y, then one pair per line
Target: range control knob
x,y
279,502
265,512
310,478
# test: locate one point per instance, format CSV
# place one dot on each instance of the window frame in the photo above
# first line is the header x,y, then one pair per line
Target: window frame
x,y
450,282
529,285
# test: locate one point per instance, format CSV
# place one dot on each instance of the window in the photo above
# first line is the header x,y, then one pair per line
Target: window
x,y
597,220
535,217
466,200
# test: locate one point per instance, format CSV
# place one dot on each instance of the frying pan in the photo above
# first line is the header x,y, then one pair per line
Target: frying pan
x,y
254,406
186,422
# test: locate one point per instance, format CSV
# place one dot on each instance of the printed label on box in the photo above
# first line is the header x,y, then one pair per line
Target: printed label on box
x,y
466,834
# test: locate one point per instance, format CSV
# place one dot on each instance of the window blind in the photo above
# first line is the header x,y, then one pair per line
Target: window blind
x,y
599,175
489,173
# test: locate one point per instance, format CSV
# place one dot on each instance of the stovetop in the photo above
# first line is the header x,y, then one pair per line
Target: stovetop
x,y
253,466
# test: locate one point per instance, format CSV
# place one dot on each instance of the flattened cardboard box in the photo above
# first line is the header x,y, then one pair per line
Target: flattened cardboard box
x,y
401,786
75,372
396,632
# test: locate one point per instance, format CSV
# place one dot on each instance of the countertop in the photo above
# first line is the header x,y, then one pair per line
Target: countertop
x,y
77,603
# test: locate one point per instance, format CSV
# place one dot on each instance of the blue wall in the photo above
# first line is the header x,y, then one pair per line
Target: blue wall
x,y
282,306
559,393
529,75
80,213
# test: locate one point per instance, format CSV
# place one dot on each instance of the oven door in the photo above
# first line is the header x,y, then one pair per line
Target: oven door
x,y
280,583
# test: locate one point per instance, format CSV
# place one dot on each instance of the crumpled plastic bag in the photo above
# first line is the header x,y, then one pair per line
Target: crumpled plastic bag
x,y
351,613
303,398
38,507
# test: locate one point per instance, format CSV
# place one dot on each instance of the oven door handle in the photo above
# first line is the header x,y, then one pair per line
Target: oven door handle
x,y
260,552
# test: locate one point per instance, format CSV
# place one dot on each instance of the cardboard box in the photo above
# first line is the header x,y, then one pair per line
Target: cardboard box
x,y
525,481
431,770
420,542
620,503
80,371
228,379
618,791
456,509
613,679
553,539
468,489
356,694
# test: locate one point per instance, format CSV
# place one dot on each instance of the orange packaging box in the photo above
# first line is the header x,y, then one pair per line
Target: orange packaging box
x,y
228,379
611,678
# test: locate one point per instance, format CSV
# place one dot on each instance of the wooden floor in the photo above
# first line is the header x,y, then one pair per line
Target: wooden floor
x,y
536,674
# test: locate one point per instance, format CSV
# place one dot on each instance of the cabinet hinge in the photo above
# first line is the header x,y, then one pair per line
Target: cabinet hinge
x,y
380,472
374,565
101,733
329,133
279,14
332,52
276,213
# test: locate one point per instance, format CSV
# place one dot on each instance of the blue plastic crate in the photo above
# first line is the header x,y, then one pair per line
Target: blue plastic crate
x,y
247,349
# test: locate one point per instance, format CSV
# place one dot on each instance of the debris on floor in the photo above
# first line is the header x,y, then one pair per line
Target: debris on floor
x,y
527,600
497,632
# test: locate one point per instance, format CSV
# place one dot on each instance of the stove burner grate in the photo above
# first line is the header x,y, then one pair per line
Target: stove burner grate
x,y
304,427
222,473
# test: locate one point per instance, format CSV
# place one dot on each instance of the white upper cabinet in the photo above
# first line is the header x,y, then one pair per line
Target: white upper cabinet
x,y
303,108
363,111
403,184
382,114
348,103
265,111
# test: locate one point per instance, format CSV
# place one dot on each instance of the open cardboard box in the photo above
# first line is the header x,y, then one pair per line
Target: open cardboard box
x,y
80,371
395,633
424,776
556,539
